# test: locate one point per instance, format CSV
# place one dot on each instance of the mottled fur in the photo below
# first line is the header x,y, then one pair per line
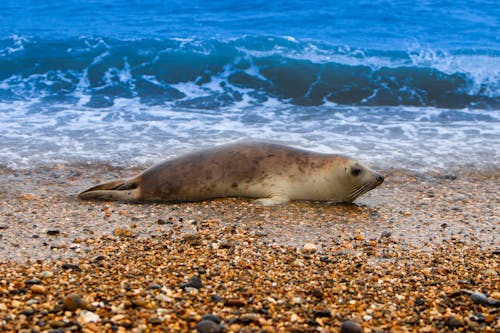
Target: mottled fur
x,y
273,173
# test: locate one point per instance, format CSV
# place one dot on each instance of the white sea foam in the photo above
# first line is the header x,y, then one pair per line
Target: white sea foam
x,y
131,134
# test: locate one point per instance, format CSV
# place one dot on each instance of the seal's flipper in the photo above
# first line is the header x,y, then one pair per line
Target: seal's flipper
x,y
121,189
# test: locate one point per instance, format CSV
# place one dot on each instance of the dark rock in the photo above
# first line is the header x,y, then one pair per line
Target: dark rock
x,y
482,299
386,234
216,298
419,301
33,281
194,282
208,326
212,317
322,314
29,312
478,317
18,291
53,232
155,286
317,293
72,267
348,326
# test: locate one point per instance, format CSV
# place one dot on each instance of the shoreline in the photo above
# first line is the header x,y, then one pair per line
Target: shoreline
x,y
399,259
418,210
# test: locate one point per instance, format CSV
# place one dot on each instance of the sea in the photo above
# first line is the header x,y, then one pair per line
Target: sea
x,y
396,84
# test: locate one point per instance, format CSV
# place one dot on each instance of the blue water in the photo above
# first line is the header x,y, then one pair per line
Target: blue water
x,y
396,83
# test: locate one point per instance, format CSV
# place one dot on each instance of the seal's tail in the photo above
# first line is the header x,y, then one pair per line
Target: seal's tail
x,y
121,189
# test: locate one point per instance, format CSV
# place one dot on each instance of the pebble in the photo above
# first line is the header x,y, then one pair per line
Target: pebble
x,y
482,299
88,317
72,267
212,317
194,282
455,321
478,317
208,326
386,234
74,301
322,314
38,289
236,302
46,274
309,248
349,326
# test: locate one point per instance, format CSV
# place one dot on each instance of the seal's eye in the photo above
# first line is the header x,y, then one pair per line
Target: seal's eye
x,y
355,172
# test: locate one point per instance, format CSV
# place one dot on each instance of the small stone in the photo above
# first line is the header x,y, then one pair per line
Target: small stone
x,y
57,324
208,326
249,318
194,282
322,314
38,289
139,302
53,232
74,301
367,317
309,248
29,312
46,274
297,300
33,281
88,317
155,286
478,317
236,302
192,239
72,267
29,196
455,321
349,326
212,317
216,298
155,321
359,237
3,307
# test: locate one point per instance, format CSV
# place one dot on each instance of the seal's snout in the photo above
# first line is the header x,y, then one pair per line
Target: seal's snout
x,y
380,179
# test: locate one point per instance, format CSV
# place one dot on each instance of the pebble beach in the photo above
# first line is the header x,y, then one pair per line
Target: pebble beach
x,y
418,254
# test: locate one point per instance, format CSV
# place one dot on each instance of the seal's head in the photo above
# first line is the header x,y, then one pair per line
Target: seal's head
x,y
359,179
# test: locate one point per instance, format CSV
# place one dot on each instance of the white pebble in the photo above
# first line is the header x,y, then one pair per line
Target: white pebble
x,y
310,248
88,317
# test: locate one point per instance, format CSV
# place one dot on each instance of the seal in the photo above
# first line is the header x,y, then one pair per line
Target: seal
x,y
272,173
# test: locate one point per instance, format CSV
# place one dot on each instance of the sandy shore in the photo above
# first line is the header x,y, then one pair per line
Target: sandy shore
x,y
404,258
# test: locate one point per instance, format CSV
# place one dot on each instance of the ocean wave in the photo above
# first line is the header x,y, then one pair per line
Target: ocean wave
x,y
208,74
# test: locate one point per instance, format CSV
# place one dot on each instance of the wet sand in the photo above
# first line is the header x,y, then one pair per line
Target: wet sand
x,y
403,258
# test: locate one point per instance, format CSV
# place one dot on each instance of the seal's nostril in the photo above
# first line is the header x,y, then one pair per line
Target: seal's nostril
x,y
380,178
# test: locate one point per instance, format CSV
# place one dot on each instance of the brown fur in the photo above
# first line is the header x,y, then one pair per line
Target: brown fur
x,y
224,171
